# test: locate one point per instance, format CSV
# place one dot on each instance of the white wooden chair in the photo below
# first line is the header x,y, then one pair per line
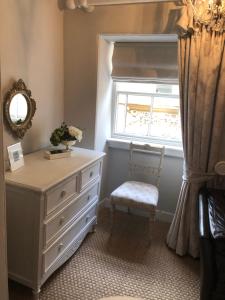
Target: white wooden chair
x,y
145,165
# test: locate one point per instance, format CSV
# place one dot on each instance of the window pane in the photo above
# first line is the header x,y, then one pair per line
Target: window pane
x,y
146,87
136,87
166,119
138,114
139,100
143,111
164,89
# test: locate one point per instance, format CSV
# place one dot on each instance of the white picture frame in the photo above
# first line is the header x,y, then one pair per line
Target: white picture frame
x,y
15,153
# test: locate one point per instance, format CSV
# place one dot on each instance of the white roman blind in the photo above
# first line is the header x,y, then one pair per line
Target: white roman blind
x,y
155,61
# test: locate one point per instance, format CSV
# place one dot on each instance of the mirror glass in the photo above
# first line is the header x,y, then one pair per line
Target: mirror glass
x,y
18,109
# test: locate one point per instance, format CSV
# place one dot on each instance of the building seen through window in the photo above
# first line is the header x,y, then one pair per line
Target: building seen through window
x,y
147,111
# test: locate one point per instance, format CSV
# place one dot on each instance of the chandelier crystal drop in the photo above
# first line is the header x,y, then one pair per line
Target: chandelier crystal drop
x,y
217,8
210,13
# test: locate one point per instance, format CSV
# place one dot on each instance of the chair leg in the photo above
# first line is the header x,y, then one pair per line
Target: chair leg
x,y
151,222
113,207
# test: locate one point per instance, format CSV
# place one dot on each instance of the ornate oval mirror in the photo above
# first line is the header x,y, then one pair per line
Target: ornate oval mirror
x,y
19,108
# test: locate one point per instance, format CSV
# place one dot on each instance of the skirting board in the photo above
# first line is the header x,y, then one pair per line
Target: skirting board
x,y
161,215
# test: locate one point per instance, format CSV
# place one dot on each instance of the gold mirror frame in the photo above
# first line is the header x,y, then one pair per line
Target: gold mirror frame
x,y
19,87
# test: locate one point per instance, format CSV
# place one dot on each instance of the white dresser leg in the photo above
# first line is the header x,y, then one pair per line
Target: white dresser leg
x,y
113,208
151,223
36,293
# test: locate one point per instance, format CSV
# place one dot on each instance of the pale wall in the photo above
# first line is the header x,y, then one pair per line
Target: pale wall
x,y
81,31
32,49
3,250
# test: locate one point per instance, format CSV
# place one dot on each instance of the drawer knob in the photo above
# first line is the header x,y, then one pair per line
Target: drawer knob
x,y
88,198
60,247
91,174
63,194
87,218
61,221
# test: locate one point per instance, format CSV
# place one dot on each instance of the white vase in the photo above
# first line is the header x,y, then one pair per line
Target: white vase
x,y
68,144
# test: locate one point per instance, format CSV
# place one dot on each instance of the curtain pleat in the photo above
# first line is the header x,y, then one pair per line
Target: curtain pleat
x,y
202,92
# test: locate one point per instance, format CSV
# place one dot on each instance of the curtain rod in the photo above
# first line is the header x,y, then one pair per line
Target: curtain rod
x,y
117,2
89,5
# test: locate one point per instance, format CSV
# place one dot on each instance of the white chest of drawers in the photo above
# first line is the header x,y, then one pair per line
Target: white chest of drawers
x,y
51,206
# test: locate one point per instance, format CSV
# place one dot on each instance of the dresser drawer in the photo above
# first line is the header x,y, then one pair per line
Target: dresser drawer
x,y
60,193
58,223
89,174
71,249
62,244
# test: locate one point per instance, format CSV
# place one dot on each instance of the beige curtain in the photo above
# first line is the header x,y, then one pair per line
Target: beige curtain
x,y
202,89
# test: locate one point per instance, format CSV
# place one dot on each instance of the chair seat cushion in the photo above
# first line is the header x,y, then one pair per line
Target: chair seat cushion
x,y
136,193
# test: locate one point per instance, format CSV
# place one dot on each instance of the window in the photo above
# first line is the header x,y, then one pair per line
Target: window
x,y
147,111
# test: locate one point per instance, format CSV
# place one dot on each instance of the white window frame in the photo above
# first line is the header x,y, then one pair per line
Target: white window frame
x,y
149,139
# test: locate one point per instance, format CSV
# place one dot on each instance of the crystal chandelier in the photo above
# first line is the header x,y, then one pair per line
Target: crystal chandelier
x,y
210,13
217,8
213,8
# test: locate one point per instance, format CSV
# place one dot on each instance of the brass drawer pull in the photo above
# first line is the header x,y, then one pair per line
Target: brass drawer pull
x,y
61,221
63,194
60,247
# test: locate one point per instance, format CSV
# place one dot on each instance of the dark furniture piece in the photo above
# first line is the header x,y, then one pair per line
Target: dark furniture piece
x,y
212,243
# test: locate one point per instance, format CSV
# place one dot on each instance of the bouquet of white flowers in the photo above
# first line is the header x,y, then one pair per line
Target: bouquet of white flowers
x,y
65,133
75,132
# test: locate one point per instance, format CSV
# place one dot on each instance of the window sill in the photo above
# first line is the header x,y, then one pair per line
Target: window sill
x,y
171,151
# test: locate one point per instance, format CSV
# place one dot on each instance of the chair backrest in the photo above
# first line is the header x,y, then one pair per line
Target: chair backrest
x,y
146,160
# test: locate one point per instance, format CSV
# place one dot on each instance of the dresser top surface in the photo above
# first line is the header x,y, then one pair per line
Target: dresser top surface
x,y
40,174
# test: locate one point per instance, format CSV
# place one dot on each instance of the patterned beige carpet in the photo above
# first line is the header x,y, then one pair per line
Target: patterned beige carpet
x,y
121,265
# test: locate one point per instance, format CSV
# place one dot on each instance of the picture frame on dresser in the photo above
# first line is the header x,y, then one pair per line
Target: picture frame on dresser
x,y
15,154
